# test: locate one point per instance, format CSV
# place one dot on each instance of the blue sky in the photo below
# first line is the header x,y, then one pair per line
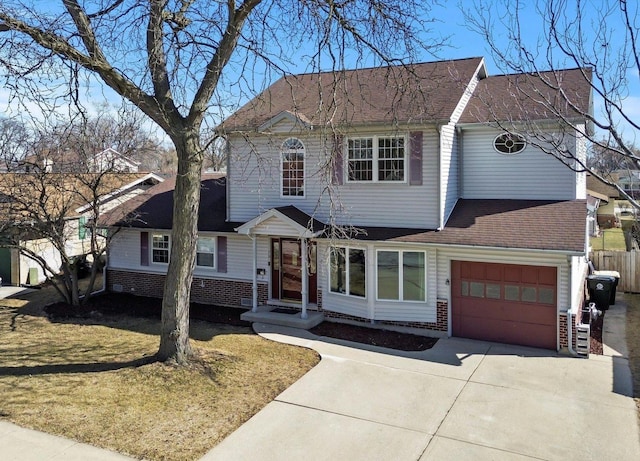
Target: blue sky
x,y
462,43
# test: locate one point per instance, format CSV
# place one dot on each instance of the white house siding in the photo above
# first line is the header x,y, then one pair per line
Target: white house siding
x,y
124,253
579,270
369,307
44,249
449,190
530,175
254,186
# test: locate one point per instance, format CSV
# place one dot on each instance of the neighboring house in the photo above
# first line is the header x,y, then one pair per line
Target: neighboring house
x,y
55,196
68,161
602,203
387,196
628,180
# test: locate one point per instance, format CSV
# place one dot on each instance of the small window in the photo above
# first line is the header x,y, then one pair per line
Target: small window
x,y
509,143
348,274
205,252
292,168
160,248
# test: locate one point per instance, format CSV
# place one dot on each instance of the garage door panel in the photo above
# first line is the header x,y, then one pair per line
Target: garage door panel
x,y
511,304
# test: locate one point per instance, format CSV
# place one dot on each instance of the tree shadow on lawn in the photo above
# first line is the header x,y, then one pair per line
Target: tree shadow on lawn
x,y
31,370
143,314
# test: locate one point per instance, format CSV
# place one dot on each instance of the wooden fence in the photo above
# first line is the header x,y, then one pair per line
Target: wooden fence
x,y
625,262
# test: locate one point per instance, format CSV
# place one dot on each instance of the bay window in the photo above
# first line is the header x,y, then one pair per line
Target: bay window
x,y
347,271
401,275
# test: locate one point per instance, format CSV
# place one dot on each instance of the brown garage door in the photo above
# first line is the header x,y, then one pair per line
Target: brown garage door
x,y
506,303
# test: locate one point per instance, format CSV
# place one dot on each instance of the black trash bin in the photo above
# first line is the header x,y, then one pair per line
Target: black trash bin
x,y
601,290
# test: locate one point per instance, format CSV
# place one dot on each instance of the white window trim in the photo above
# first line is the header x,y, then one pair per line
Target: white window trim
x,y
347,293
375,158
151,248
304,169
215,252
401,276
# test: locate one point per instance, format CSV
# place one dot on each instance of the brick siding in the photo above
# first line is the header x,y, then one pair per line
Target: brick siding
x,y
203,290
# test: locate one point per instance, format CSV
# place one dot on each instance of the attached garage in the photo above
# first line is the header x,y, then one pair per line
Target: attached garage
x,y
507,303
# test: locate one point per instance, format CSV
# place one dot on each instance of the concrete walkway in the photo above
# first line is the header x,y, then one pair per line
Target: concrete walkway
x,y
20,444
460,400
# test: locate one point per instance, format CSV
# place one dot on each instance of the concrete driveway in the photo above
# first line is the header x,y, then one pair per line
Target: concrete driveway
x,y
460,400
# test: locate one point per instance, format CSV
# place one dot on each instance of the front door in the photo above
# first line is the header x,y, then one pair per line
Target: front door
x,y
286,270
291,270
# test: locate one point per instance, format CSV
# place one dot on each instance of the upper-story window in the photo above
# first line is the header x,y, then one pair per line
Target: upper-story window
x,y
509,143
292,168
376,158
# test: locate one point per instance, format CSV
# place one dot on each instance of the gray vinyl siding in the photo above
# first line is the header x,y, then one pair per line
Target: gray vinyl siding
x,y
124,253
254,186
530,175
449,159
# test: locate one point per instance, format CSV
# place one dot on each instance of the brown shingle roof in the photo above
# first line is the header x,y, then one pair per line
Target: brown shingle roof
x,y
154,208
595,185
419,93
522,224
516,97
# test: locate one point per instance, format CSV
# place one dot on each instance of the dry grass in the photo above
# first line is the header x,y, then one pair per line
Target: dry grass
x,y
94,381
633,341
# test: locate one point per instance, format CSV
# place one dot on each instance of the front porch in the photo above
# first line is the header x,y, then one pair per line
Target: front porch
x,y
274,315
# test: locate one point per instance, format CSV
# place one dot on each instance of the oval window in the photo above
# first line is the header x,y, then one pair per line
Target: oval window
x,y
509,143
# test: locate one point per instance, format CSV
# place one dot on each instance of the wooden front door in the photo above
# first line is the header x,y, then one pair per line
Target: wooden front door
x,y
286,270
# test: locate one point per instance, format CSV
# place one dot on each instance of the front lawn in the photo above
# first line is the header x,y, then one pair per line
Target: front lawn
x,y
94,381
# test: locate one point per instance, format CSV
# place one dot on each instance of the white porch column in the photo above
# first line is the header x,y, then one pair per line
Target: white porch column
x,y
254,287
305,278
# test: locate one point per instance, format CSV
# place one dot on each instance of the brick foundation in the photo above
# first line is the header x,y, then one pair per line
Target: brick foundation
x,y
441,323
203,290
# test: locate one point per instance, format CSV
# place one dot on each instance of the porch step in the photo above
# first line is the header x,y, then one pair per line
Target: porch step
x,y
287,320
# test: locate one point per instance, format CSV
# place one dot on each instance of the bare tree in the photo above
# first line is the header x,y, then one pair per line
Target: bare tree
x,y
600,42
52,219
177,61
15,138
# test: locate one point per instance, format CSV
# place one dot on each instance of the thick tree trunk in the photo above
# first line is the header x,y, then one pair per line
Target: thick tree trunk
x,y
174,335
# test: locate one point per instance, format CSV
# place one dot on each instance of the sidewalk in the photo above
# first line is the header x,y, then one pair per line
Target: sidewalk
x,y
20,444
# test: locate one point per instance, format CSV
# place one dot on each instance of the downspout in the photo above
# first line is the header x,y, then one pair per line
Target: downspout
x,y
439,170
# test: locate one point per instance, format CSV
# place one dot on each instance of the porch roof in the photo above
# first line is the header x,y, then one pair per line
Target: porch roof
x,y
287,221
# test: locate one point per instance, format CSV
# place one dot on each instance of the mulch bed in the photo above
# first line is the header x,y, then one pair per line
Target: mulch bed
x,y
142,306
374,337
108,304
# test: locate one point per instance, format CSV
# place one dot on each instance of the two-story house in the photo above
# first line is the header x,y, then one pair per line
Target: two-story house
x,y
388,196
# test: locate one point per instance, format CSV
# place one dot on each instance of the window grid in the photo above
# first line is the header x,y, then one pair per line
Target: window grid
x,y
379,158
292,168
160,249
